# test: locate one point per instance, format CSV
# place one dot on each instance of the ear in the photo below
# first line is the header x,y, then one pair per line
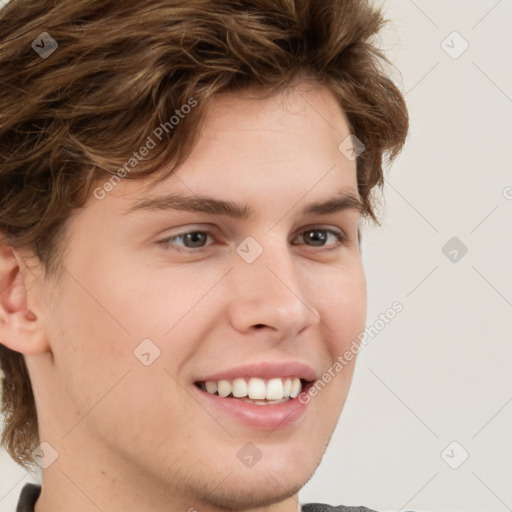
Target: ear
x,y
21,324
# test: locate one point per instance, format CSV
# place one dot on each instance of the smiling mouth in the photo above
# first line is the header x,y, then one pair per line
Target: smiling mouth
x,y
255,390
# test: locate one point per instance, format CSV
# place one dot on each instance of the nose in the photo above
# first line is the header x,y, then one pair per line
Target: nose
x,y
269,295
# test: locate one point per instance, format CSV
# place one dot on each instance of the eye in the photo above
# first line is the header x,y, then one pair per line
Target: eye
x,y
318,236
190,239
196,240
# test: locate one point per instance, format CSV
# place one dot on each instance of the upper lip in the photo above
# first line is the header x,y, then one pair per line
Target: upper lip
x,y
264,370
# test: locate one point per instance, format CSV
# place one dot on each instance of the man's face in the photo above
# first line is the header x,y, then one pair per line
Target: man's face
x,y
256,297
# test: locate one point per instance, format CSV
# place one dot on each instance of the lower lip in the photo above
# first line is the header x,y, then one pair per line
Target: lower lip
x,y
260,417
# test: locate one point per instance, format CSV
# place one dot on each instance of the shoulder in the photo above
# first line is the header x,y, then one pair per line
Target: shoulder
x,y
321,507
28,497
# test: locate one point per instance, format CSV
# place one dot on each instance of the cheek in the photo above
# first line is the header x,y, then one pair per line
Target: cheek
x,y
157,301
90,344
344,305
344,315
95,368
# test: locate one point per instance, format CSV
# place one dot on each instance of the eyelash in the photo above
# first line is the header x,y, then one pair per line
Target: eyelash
x,y
166,242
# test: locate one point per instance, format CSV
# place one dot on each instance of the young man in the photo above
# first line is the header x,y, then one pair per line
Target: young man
x,y
181,189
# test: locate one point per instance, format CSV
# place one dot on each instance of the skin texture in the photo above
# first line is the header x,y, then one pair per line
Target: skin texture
x,y
131,437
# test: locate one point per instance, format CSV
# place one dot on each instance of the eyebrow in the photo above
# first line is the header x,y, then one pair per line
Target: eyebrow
x,y
204,204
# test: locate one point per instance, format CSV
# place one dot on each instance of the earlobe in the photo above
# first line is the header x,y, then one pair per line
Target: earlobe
x,y
21,328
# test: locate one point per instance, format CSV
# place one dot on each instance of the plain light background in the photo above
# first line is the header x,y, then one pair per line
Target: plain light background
x,y
434,386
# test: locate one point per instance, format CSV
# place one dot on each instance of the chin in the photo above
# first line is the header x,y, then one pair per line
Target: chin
x,y
243,489
280,474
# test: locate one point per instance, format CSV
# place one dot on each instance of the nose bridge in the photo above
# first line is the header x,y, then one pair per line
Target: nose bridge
x,y
269,264
268,288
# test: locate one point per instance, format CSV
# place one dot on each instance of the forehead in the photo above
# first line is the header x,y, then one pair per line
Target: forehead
x,y
292,124
301,107
281,146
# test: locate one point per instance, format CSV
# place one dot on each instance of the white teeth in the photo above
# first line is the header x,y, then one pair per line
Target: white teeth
x,y
239,388
277,389
211,386
287,386
224,388
257,389
274,389
296,388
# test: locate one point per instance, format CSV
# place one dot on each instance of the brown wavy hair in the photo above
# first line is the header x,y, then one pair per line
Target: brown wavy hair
x,y
120,70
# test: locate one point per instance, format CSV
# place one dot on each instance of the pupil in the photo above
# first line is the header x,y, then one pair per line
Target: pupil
x,y
194,236
313,238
